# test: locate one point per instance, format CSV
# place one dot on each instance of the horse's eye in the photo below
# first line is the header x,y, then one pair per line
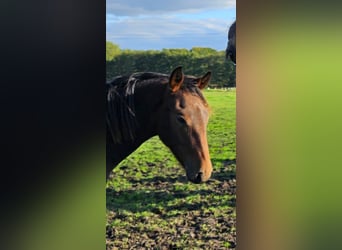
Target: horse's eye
x,y
181,120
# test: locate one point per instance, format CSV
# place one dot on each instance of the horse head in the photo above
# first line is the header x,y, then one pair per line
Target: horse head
x,y
183,122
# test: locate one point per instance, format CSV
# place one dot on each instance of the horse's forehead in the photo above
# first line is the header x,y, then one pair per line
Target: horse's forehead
x,y
188,101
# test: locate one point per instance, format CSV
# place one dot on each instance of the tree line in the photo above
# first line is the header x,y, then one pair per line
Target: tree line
x,y
196,61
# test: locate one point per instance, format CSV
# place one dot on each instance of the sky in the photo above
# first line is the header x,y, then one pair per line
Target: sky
x,y
158,24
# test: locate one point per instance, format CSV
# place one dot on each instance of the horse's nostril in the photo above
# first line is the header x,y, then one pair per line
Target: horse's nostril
x,y
199,177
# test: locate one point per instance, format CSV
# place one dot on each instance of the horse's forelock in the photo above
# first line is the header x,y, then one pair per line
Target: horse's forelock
x,y
191,85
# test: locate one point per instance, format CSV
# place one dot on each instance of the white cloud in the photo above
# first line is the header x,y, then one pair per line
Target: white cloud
x,y
151,24
150,7
168,32
167,25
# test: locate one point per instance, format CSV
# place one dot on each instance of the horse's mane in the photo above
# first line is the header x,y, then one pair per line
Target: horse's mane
x,y
121,117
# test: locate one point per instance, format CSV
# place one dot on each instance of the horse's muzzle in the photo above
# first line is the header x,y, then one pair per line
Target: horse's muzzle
x,y
199,178
232,56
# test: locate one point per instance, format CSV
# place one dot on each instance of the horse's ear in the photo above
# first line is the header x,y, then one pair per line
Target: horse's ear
x,y
176,79
204,80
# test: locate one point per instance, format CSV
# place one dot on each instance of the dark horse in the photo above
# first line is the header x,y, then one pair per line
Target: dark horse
x,y
231,46
143,105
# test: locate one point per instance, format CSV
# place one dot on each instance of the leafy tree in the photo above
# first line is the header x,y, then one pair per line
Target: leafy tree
x,y
196,62
112,50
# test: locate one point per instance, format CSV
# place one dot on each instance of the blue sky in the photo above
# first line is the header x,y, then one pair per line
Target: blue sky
x,y
157,24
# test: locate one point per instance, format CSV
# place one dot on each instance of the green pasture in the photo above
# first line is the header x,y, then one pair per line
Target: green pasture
x,y
151,204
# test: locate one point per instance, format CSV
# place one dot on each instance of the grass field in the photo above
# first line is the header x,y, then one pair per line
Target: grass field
x,y
151,205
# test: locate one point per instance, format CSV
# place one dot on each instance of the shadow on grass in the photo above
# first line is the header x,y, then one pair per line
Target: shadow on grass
x,y
159,201
159,194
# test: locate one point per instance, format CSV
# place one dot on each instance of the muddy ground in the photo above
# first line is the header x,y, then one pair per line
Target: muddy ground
x,y
168,212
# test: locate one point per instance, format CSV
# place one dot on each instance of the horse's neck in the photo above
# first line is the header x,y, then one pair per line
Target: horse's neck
x,y
148,100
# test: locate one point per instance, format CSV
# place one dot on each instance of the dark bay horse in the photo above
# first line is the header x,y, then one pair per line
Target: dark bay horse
x,y
231,46
143,105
